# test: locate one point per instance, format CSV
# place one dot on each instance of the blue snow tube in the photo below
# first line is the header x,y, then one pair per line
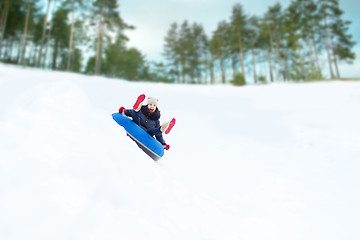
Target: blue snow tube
x,y
147,143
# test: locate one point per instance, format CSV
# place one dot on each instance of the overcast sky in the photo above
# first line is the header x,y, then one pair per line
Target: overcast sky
x,y
152,19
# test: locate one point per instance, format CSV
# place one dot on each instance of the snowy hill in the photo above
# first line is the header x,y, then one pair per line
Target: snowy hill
x,y
276,161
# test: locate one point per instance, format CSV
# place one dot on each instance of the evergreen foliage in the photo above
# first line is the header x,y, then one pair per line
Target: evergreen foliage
x,y
239,79
286,44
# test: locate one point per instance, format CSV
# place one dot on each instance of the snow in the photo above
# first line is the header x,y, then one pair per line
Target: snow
x,y
278,161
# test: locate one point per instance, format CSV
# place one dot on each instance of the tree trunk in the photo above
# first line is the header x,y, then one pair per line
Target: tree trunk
x,y
177,67
183,70
4,7
279,57
336,67
222,69
269,53
3,20
328,48
32,55
286,67
10,49
71,38
48,36
212,78
233,64
55,54
270,64
310,51
253,63
242,58
316,55
23,42
43,34
99,44
334,58
304,73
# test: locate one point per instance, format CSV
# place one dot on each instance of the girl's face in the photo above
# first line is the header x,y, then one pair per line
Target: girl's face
x,y
152,107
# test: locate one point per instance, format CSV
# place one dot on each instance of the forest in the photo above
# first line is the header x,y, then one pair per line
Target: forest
x,y
303,41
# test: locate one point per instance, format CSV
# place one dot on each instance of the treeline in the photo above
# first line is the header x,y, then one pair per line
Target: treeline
x,y
70,35
295,43
284,44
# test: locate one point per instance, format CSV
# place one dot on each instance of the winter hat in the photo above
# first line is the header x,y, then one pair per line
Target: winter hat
x,y
152,100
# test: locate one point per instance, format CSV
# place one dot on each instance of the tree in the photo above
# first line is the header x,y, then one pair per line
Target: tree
x,y
134,61
172,50
5,6
43,33
122,62
220,46
310,27
31,11
330,12
266,43
60,30
184,45
239,32
114,61
301,22
71,38
253,33
108,17
80,39
197,52
274,22
185,49
14,18
23,41
341,42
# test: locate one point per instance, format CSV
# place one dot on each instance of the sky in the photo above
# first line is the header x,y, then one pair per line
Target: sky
x,y
153,19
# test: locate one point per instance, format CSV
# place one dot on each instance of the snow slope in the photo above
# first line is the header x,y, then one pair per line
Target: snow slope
x,y
277,161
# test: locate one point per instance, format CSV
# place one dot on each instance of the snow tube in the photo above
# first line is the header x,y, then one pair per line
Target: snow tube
x,y
147,143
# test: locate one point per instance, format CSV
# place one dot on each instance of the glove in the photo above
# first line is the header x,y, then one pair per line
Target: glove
x,y
166,146
122,109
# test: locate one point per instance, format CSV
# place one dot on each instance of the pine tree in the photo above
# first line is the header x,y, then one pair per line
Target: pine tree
x,y
266,42
43,34
60,34
197,52
73,3
31,11
220,46
341,42
301,23
274,21
24,37
114,61
238,32
13,23
253,34
172,50
328,11
106,11
184,45
4,14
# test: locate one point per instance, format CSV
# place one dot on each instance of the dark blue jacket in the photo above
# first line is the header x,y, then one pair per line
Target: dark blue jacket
x,y
148,121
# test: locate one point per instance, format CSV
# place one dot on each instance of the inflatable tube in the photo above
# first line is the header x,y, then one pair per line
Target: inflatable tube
x,y
147,143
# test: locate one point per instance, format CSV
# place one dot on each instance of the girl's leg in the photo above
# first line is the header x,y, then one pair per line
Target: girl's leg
x,y
154,131
136,117
157,133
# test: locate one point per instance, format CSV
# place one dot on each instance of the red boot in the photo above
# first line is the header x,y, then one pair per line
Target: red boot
x,y
138,103
166,127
